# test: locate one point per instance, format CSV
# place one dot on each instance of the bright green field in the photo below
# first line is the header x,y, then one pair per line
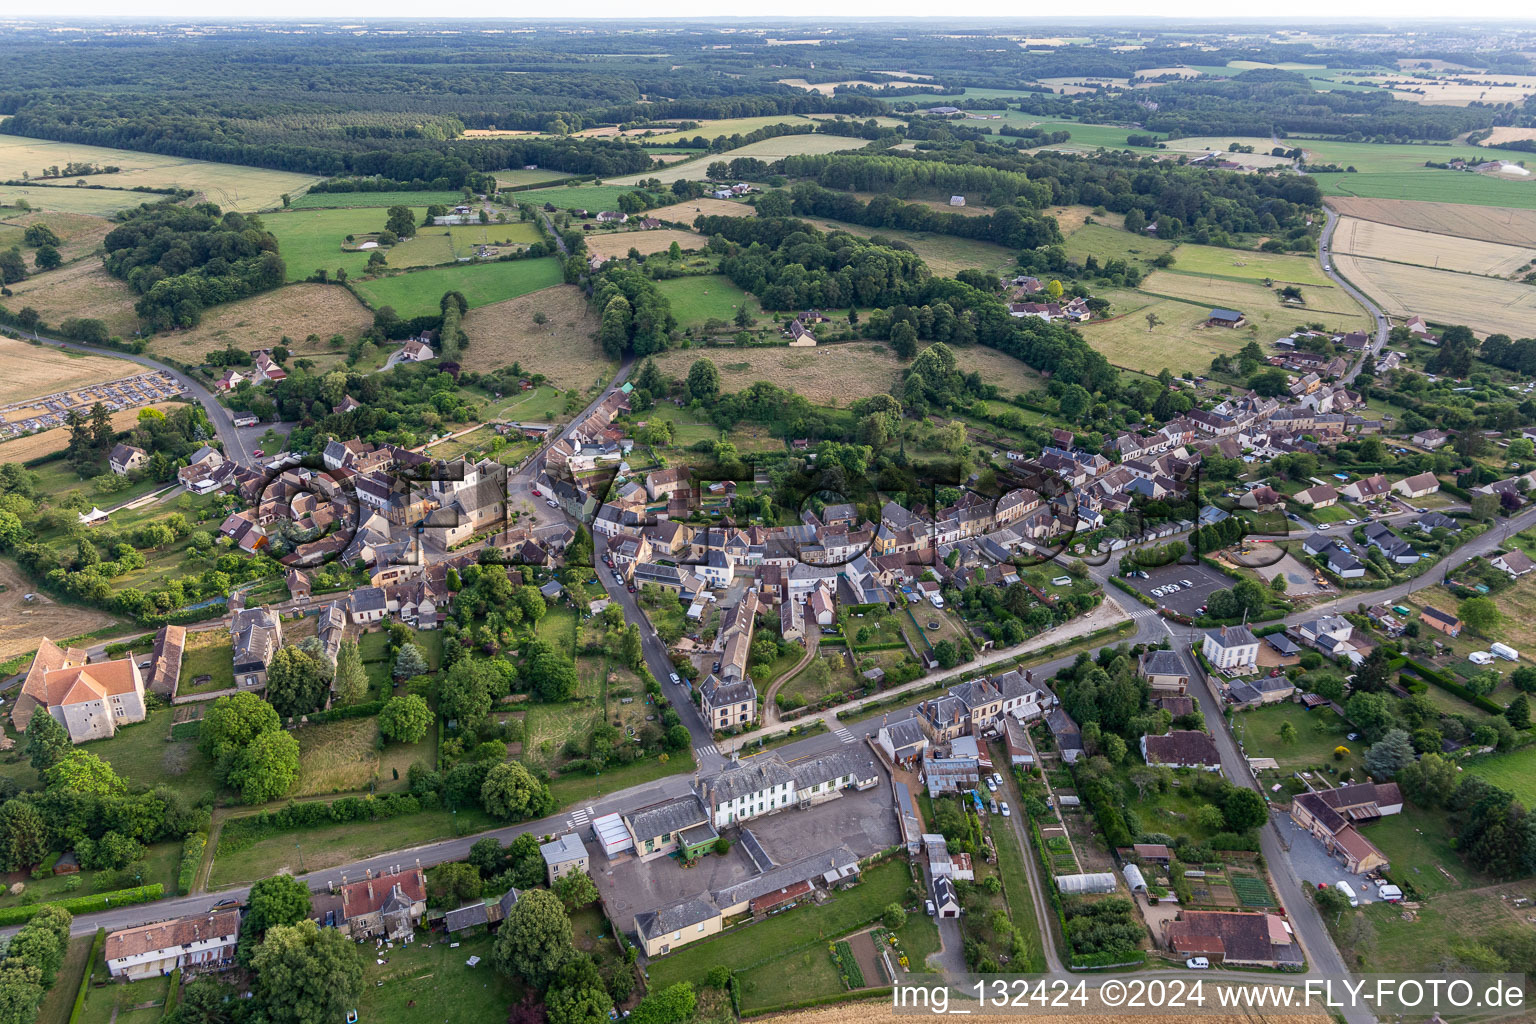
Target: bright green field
x,y
1515,772
1368,158
1212,261
1084,136
317,200
1430,186
697,299
310,239
518,176
1106,243
418,293
587,197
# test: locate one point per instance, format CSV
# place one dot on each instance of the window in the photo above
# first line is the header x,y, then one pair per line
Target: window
x,y
701,926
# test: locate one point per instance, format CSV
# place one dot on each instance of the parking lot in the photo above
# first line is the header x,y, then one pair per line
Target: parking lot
x,y
1184,600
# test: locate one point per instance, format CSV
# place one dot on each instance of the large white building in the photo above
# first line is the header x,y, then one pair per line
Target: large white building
x,y
90,701
1231,649
200,941
766,784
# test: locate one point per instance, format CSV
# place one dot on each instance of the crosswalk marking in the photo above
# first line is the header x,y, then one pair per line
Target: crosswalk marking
x,y
707,748
844,735
579,817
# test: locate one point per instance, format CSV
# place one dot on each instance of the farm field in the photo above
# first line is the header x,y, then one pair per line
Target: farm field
x,y
1388,940
295,311
233,187
419,292
1011,376
710,296
516,176
825,374
826,88
32,370
1214,261
1507,134
363,200
1371,158
79,233
726,126
1261,305
685,212
1179,342
1402,245
582,197
435,245
1486,305
23,623
1433,186
97,202
1515,772
1072,219
1486,223
616,244
46,442
768,150
1459,89
946,255
82,289
1260,157
562,349
1085,137
1106,243
311,240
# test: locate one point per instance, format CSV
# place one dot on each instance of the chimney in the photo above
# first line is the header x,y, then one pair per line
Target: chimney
x,y
370,890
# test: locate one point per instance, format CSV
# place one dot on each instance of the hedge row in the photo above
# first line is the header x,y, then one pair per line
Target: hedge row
x,y
1449,685
191,858
86,904
97,945
840,997
366,709
1138,595
174,996
239,833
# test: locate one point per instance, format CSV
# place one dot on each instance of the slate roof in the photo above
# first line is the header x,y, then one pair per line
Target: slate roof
x,y
1164,663
1187,746
690,910
753,776
667,817
563,850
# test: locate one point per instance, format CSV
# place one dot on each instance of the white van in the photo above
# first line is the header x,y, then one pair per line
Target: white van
x,y
1349,893
1198,963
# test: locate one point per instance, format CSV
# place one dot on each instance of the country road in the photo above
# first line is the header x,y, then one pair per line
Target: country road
x,y
1383,325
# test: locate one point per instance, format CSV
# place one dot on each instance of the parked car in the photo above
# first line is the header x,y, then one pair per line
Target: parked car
x,y
994,806
997,777
1351,522
1006,812
676,681
552,503
1198,963
928,906
991,786
536,492
1187,583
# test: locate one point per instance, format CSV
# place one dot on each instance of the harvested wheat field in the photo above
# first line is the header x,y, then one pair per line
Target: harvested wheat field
x,y
79,233
1487,305
1508,134
616,245
23,623
296,311
826,375
46,442
1445,252
562,349
31,370
82,289
685,212
1486,223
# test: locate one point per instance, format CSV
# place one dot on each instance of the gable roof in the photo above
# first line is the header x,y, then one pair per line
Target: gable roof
x,y
183,931
1186,746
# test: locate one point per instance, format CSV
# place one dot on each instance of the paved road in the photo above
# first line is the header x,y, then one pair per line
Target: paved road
x,y
239,443
1383,325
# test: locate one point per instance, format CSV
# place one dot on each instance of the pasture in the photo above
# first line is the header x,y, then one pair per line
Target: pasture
x,y
593,198
78,233
708,297
1371,158
435,245
726,127
362,200
1514,771
233,187
295,313
562,348
946,255
419,292
1433,186
82,289
1085,137
310,240
1484,223
1240,265
1261,305
1179,342
616,244
687,211
1401,245
825,375
516,177
97,202
1487,305
34,370
1107,243
767,150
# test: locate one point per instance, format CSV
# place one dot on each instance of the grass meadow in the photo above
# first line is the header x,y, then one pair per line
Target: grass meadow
x,y
360,200
593,198
705,297
311,239
419,292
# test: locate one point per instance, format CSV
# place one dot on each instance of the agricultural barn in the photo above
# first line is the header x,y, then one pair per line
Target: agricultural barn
x,y
1225,318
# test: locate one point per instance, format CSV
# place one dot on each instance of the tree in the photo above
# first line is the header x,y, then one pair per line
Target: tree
x,y
1389,754
525,862
534,940
232,723
465,694
1374,673
703,381
351,683
671,1005
47,741
578,995
409,661
904,340
306,974
575,890
266,768
1053,290
1524,679
551,673
1480,614
1244,809
47,257
1371,712
296,684
23,836
81,771
400,221
1210,818
1428,781
273,902
1518,713
632,650
512,793
455,883
1288,734
405,719
1153,320
893,917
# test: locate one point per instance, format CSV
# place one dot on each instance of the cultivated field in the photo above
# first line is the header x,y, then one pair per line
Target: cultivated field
x,y
1486,223
295,312
46,442
825,374
1221,145
419,292
583,197
1402,245
1259,304
825,88
1433,186
1507,134
767,150
33,370
562,349
1459,90
727,126
618,243
99,202
82,289
686,212
23,623
517,176
78,233
1486,305
1237,264
231,186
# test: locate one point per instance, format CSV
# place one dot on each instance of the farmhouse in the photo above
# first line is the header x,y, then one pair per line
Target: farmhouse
x,y
1229,318
126,458
199,942
1238,939
1334,817
90,701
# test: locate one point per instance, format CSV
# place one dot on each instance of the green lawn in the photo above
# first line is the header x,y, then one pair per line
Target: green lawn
x,y
111,1004
1317,733
803,927
207,654
60,1000
418,293
311,239
1331,514
319,200
1085,136
1107,243
711,296
1214,261
1515,772
592,198
430,982
1418,843
140,754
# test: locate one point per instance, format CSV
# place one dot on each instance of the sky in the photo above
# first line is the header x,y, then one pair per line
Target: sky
x,y
1302,11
